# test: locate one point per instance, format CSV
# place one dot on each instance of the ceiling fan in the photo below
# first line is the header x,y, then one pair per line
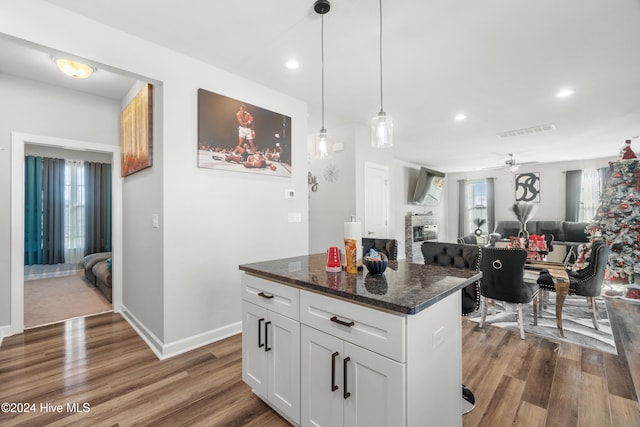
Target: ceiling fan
x,y
513,165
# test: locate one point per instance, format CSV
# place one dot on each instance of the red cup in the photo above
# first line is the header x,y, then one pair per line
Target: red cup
x,y
333,260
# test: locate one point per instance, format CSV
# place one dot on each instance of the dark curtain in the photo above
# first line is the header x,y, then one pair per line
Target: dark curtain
x,y
462,207
573,181
97,180
491,206
32,210
53,211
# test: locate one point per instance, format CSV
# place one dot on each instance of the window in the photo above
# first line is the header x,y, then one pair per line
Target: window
x,y
589,194
74,211
476,207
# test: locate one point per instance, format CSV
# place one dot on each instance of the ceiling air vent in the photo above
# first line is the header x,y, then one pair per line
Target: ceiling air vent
x,y
526,131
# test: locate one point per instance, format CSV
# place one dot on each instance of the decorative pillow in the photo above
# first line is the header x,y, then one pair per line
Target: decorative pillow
x,y
109,264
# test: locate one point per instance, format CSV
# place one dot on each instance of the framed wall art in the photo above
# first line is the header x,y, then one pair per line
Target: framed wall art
x,y
528,187
237,136
136,132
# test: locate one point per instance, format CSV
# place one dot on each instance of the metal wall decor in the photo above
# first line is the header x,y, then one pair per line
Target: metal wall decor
x,y
528,187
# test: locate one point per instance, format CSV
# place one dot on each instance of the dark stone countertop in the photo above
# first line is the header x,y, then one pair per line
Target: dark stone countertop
x,y
404,287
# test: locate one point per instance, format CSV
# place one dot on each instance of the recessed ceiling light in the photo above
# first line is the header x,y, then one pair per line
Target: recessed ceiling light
x,y
292,64
460,117
563,93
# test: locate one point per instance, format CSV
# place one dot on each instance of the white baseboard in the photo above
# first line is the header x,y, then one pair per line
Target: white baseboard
x,y
149,337
5,331
165,351
186,344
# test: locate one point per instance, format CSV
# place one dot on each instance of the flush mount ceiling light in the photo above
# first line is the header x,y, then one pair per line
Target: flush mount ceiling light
x,y
460,117
74,69
381,125
322,148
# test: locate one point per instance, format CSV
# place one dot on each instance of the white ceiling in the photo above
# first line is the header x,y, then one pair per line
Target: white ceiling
x,y
498,61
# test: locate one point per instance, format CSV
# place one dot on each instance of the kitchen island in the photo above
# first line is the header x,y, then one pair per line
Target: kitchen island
x,y
334,349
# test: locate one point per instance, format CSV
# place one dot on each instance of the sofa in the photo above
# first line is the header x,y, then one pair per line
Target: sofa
x,y
562,231
97,270
569,234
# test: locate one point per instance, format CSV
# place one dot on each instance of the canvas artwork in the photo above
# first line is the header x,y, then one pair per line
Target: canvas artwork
x,y
237,136
528,187
136,135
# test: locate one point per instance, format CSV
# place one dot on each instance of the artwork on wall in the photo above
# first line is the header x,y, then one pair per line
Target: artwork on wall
x,y
136,135
528,187
237,136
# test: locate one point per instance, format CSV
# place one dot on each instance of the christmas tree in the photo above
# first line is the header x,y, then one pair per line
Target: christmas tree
x,y
617,220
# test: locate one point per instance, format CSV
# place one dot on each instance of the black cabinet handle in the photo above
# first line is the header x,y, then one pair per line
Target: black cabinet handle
x,y
263,295
342,322
334,386
266,337
345,393
260,343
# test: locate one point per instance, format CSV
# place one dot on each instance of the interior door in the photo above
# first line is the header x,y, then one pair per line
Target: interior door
x,y
376,200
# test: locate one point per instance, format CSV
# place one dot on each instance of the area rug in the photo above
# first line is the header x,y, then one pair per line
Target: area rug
x,y
576,322
60,298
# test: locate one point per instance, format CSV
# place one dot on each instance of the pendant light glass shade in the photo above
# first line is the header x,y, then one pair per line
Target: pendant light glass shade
x,y
382,131
322,145
381,125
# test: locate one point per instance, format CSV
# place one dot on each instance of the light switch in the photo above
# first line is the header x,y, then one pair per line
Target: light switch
x,y
295,217
289,194
154,221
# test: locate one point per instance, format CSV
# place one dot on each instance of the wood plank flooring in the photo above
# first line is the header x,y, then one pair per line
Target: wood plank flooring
x,y
101,362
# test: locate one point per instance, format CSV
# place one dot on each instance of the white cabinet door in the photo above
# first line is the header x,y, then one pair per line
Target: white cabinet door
x,y
321,382
254,357
282,341
376,387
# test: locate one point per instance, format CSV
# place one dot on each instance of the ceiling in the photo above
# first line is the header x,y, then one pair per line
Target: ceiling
x,y
499,62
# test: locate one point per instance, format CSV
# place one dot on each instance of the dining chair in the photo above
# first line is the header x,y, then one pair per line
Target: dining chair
x,y
462,256
503,280
389,247
585,282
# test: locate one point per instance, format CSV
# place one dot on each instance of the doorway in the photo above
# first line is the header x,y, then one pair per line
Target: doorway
x,y
376,201
18,142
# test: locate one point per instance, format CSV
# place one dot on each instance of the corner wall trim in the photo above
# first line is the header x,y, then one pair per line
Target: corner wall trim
x,y
166,351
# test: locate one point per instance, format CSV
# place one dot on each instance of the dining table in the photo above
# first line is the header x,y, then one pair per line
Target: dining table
x,y
560,281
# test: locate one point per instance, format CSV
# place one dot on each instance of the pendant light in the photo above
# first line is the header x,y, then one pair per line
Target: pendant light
x,y
381,125
322,147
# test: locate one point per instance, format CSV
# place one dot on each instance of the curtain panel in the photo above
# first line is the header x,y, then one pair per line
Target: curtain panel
x,y
53,174
98,207
32,210
573,183
491,208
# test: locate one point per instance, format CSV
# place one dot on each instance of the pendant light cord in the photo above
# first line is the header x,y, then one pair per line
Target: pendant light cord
x,y
381,108
322,61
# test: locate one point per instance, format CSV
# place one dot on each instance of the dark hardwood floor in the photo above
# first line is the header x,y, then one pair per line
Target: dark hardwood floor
x,y
100,365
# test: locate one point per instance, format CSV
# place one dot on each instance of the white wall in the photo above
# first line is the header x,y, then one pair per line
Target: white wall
x,y
36,108
181,282
552,190
334,202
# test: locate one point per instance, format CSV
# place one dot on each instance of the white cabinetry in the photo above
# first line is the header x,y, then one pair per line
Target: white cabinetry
x,y
328,362
271,344
344,384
